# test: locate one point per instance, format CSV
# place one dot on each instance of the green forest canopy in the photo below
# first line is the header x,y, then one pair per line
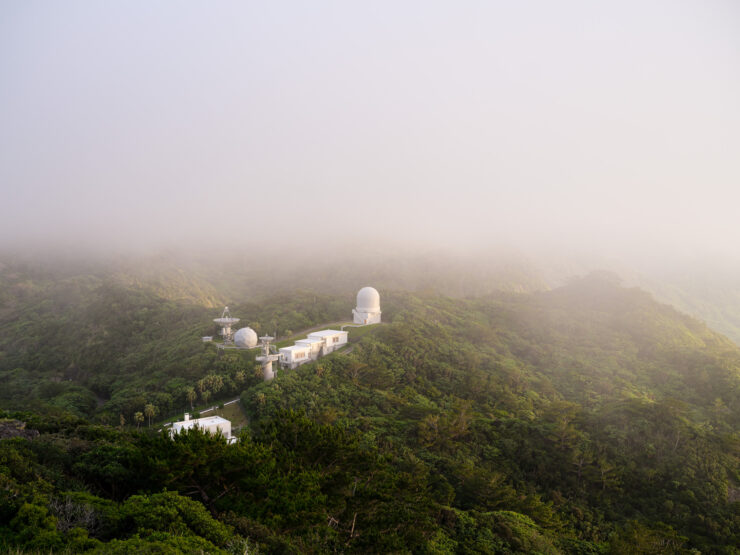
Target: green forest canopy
x,y
587,419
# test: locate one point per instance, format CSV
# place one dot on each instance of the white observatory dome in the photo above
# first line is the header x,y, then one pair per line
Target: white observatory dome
x,y
246,338
368,300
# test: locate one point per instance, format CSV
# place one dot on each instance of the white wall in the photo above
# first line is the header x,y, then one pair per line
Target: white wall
x,y
366,317
224,426
295,357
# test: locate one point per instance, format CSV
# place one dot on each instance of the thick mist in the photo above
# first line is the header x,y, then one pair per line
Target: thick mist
x,y
596,127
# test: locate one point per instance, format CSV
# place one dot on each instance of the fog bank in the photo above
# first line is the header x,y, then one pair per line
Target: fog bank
x,y
591,127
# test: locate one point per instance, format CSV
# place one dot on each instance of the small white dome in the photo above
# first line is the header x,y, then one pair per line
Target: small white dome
x,y
246,338
368,300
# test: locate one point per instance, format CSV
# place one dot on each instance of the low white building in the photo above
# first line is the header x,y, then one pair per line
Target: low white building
x,y
295,355
368,307
317,344
333,339
211,424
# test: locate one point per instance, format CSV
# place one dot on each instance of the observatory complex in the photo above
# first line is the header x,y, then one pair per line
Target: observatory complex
x,y
368,307
315,345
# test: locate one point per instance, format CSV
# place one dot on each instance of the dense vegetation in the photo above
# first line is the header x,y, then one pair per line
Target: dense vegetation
x,y
588,419
706,290
106,347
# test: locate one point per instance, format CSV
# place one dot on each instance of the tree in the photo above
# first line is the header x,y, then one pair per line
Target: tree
x,y
177,515
217,383
150,411
191,396
138,418
122,420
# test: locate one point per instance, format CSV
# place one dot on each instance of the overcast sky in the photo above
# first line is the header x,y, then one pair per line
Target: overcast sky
x,y
603,124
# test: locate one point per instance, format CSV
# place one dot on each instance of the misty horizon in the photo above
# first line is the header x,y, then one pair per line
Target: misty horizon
x,y
605,129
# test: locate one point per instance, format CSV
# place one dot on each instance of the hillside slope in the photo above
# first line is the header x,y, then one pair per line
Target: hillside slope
x,y
587,419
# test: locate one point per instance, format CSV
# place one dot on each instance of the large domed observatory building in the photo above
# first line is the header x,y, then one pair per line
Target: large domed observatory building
x,y
368,307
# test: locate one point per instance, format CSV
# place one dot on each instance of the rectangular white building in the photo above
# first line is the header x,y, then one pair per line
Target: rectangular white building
x,y
333,339
314,344
317,344
295,355
211,424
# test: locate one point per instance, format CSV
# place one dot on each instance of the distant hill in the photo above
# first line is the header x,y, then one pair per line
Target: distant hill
x,y
714,297
707,288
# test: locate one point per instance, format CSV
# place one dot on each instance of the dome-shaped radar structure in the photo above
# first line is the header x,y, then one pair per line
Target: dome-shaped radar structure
x,y
368,306
368,299
245,338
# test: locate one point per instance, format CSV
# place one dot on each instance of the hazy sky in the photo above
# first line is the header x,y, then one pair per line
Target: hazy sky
x,y
604,124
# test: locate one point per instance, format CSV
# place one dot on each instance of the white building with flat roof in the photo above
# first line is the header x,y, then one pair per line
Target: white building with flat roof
x,y
317,344
314,344
295,355
210,424
333,339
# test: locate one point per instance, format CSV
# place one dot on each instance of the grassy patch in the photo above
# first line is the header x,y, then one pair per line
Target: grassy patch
x,y
233,413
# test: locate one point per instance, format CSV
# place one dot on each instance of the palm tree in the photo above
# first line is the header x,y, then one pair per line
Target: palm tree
x,y
138,418
217,382
150,410
191,395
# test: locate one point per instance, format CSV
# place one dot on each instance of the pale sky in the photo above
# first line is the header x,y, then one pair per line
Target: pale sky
x,y
153,123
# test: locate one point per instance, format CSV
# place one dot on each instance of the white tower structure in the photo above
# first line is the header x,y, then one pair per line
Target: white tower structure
x,y
225,323
368,307
267,357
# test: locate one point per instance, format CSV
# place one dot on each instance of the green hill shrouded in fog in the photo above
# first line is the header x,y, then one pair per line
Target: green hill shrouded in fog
x,y
586,419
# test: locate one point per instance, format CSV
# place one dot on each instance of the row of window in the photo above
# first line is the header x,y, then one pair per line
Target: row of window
x,y
300,355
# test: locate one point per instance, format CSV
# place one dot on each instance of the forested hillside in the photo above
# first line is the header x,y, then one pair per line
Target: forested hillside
x,y
587,419
711,293
104,345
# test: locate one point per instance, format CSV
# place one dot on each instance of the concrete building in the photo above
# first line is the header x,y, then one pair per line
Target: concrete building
x,y
368,307
332,339
210,424
317,344
295,355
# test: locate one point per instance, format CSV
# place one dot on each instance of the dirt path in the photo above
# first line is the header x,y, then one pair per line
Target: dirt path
x,y
216,406
209,409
